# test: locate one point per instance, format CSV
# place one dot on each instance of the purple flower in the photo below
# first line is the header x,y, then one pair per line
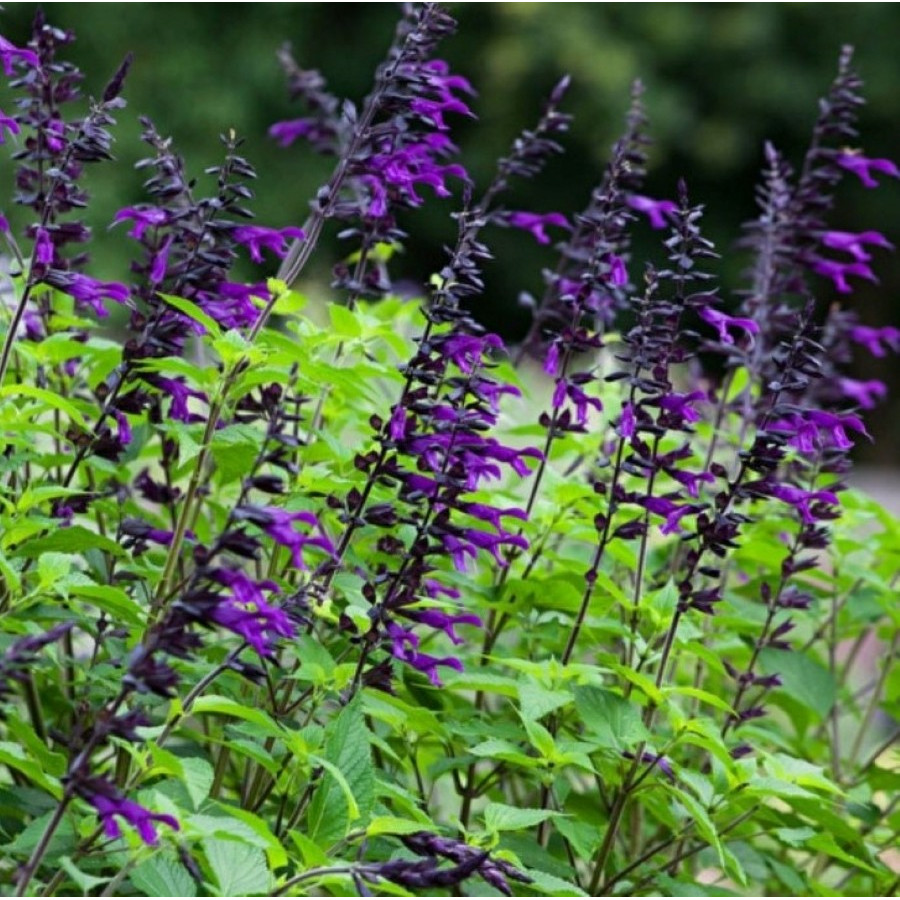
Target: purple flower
x,y
854,244
876,339
404,646
43,247
4,224
536,223
287,132
179,392
141,819
279,525
722,322
10,124
807,430
672,511
442,621
87,290
144,217
862,167
655,210
864,393
9,54
551,363
256,239
161,261
627,421
248,614
801,499
838,272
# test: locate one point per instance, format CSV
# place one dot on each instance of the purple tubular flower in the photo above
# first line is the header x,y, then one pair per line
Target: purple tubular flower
x,y
722,322
672,511
442,621
627,421
144,217
862,167
179,392
111,805
838,272
801,500
280,528
865,394
404,646
655,210
43,247
256,239
551,362
10,54
248,614
89,291
536,223
876,339
10,124
854,244
289,131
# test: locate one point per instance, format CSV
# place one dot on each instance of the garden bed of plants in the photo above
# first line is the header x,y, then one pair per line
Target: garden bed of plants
x,y
311,591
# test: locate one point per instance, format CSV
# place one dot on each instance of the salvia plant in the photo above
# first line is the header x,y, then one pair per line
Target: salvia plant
x,y
357,601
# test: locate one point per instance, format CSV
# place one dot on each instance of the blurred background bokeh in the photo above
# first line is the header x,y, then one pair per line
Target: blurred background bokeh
x,y
720,79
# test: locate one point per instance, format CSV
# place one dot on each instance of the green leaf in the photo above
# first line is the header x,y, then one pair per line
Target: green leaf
x,y
395,825
827,844
640,681
14,756
52,567
348,754
192,311
112,600
701,695
802,678
215,703
500,817
239,870
162,876
72,539
551,885
274,849
86,882
540,738
343,322
611,720
198,778
702,822
535,702
234,450
49,398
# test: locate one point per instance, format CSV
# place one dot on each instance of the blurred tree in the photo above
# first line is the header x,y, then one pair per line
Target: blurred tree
x,y
721,78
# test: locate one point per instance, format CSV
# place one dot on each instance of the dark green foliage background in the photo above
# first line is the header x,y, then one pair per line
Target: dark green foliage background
x,y
721,78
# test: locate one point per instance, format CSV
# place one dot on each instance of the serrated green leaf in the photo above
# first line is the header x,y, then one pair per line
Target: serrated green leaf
x,y
500,817
234,449
551,885
540,738
86,882
339,801
162,876
240,870
535,701
268,841
112,600
198,778
611,720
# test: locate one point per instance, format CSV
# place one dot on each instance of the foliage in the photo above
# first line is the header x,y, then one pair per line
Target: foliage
x,y
370,604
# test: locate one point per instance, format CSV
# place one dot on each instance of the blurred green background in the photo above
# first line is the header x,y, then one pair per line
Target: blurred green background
x,y
720,79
